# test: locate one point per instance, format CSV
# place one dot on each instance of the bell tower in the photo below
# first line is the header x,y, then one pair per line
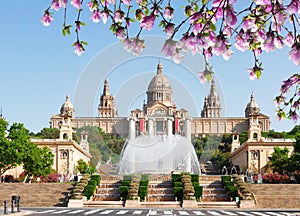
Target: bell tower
x,y
212,104
107,107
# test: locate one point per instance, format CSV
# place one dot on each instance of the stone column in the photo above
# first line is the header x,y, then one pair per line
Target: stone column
x,y
131,128
169,126
150,127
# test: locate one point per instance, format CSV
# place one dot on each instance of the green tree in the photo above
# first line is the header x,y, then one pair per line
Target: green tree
x,y
280,161
48,133
16,148
38,161
83,167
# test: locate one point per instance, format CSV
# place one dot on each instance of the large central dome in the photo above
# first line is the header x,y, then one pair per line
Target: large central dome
x,y
159,89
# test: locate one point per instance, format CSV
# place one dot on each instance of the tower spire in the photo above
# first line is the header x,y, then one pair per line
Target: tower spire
x,y
159,68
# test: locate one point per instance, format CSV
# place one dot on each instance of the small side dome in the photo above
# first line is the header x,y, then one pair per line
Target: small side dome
x,y
252,107
67,107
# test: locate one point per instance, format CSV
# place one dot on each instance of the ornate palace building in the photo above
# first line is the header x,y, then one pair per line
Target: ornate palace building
x,y
159,115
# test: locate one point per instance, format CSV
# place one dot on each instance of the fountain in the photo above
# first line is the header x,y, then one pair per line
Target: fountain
x,y
157,154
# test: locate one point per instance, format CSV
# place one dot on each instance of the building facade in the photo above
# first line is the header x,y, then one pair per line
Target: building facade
x,y
159,107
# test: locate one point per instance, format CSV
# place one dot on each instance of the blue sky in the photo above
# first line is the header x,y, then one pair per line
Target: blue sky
x,y
38,68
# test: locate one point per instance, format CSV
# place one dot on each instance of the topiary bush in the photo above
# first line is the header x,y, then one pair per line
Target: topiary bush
x,y
126,183
89,190
176,178
178,193
178,184
198,192
97,178
143,192
195,178
127,178
92,182
123,190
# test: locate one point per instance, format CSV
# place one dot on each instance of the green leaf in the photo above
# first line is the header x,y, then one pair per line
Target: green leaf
x,y
83,42
204,2
64,32
82,23
212,27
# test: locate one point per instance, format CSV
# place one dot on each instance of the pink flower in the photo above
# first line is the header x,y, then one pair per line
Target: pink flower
x,y
147,22
293,7
104,16
95,16
47,18
227,31
119,16
91,5
120,33
198,27
230,18
278,42
269,45
207,53
137,46
79,49
63,3
169,12
127,2
169,29
262,2
76,3
55,5
255,72
294,54
289,39
249,24
206,75
171,50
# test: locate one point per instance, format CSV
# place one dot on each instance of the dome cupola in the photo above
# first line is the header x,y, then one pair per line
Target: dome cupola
x,y
67,108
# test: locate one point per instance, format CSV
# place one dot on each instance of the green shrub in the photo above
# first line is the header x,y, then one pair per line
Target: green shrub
x,y
195,178
198,192
125,183
92,182
145,177
178,184
225,179
97,178
178,193
123,190
127,178
89,191
228,183
143,192
176,178
233,191
144,183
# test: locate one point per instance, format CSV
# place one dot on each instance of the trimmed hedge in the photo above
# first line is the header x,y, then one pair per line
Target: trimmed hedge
x,y
97,178
124,190
176,178
195,178
178,193
198,191
127,178
145,177
225,179
92,182
89,190
143,192
178,184
233,191
126,183
144,183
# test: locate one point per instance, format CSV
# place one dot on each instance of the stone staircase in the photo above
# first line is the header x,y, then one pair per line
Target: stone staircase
x,y
108,191
160,191
36,195
213,190
276,195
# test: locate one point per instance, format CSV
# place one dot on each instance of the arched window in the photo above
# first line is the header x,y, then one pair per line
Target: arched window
x,y
255,136
65,136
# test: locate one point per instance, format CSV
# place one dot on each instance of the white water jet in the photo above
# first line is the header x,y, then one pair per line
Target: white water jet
x,y
158,154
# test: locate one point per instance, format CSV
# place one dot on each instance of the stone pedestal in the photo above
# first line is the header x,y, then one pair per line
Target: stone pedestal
x,y
189,204
132,203
247,204
74,203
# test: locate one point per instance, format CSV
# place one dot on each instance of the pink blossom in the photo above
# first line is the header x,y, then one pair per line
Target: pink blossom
x,y
104,16
230,18
47,18
76,3
293,7
198,27
79,49
227,54
92,6
220,46
55,5
119,16
127,45
262,2
269,45
294,54
261,35
254,73
206,75
278,42
258,51
137,46
207,53
127,2
241,42
169,12
120,33
171,50
195,17
227,31
147,22
218,3
219,13
169,29
63,3
95,16
289,39
249,24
